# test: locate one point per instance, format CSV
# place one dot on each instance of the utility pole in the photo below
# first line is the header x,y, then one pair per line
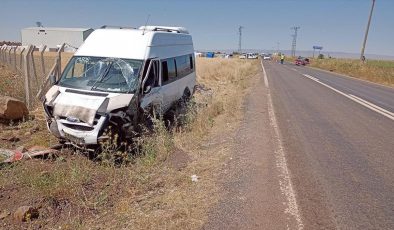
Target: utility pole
x,y
366,31
277,48
294,43
240,39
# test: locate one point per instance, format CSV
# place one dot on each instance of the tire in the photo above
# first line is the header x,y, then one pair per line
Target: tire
x,y
185,97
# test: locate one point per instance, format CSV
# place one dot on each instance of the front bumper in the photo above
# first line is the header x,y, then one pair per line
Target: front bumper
x,y
80,133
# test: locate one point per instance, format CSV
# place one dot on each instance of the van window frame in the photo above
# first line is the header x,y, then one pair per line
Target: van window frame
x,y
189,63
149,66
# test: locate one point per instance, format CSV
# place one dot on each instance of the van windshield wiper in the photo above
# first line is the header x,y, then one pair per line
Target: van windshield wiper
x,y
102,77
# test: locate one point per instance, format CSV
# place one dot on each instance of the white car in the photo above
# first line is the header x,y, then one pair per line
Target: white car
x,y
115,77
266,57
251,56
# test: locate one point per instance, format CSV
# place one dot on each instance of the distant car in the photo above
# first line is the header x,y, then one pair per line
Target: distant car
x,y
242,56
251,56
301,61
266,57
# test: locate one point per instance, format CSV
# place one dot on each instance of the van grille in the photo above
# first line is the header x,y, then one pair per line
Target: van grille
x,y
78,127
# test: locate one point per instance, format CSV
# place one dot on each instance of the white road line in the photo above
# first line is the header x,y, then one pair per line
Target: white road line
x,y
373,107
285,183
309,76
360,101
265,75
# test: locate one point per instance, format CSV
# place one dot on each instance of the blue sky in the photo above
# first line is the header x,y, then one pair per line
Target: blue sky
x,y
337,25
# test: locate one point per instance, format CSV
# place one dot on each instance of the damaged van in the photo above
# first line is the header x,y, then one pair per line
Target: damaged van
x,y
115,78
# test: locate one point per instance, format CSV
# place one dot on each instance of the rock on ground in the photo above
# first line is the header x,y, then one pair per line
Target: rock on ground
x,y
25,213
12,109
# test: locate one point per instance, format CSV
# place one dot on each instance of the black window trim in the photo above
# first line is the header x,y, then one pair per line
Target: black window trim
x,y
177,77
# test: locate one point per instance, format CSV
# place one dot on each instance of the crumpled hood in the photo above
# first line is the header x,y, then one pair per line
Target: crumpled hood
x,y
79,106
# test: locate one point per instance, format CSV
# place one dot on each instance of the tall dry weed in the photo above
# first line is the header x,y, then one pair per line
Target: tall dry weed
x,y
225,81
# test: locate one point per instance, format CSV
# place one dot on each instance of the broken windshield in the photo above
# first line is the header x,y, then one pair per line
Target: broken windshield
x,y
102,74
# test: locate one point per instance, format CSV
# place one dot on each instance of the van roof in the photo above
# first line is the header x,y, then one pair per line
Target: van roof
x,y
129,43
171,29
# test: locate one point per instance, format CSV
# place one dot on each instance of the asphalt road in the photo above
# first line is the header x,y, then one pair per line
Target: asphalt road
x,y
338,138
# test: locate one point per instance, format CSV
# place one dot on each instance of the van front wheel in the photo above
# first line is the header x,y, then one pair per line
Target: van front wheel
x,y
186,96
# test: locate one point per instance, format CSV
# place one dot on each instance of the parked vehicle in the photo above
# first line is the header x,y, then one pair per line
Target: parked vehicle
x,y
251,56
242,56
266,57
301,61
210,54
115,78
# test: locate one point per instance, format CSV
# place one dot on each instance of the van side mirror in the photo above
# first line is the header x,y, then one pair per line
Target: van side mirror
x,y
147,89
52,79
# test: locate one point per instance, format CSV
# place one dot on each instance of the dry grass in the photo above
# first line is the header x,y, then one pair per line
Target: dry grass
x,y
228,80
74,192
381,72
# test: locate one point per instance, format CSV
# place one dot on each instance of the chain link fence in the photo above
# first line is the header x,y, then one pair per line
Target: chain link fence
x,y
25,71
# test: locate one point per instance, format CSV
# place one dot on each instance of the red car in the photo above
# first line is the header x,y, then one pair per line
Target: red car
x,y
301,61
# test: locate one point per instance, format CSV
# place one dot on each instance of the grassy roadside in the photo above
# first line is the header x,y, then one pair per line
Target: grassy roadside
x,y
377,71
155,189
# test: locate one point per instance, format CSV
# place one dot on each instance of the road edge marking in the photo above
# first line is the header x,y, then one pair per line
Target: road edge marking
x,y
356,99
285,183
265,75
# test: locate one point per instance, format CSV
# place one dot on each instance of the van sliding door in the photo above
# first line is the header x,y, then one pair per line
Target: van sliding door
x,y
169,83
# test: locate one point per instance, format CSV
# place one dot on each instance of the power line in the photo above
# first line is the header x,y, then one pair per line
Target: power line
x,y
366,31
294,42
240,39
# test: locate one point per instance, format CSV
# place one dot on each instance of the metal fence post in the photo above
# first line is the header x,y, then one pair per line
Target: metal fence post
x,y
10,57
33,63
42,59
14,63
27,76
59,60
1,53
21,59
4,54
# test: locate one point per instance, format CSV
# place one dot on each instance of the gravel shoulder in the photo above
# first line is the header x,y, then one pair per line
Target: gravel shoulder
x,y
253,184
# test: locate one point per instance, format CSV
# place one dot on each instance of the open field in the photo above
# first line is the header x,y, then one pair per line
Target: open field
x,y
154,189
373,70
